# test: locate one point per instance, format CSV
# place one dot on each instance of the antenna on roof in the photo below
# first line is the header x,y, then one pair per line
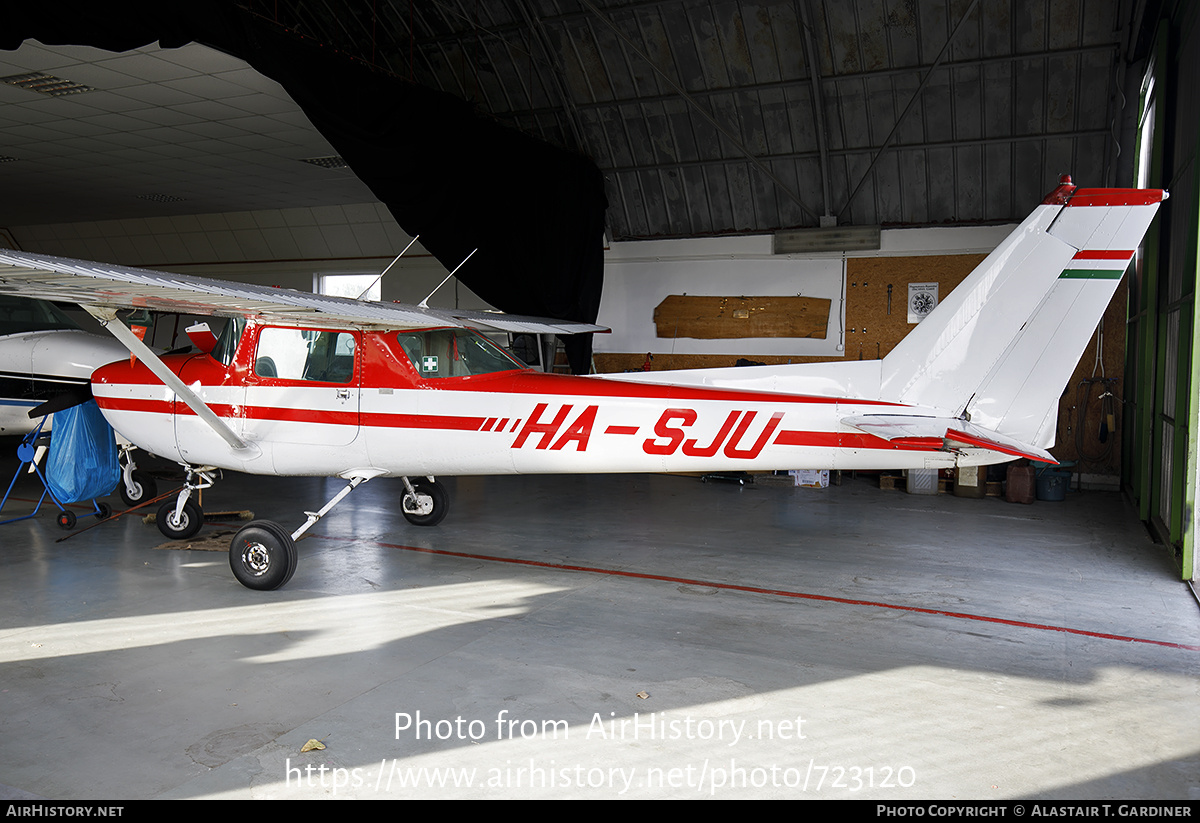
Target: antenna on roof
x,y
389,268
425,303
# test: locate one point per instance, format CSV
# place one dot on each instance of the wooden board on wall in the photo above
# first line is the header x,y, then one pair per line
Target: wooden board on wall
x,y
712,317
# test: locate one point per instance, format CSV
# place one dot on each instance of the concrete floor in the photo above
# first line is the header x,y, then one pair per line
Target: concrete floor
x,y
607,636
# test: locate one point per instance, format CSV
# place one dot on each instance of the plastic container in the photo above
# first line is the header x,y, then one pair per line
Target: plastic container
x,y
1019,485
1052,485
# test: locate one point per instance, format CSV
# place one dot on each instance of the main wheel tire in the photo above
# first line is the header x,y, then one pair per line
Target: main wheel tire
x,y
262,556
190,520
428,506
66,520
144,489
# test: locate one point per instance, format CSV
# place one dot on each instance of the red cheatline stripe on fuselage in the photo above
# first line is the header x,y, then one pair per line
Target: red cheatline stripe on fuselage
x,y
810,439
329,417
138,404
853,440
585,388
324,416
821,598
422,421
525,383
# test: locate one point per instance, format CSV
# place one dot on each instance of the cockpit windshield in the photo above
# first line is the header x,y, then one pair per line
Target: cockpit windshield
x,y
22,314
227,343
454,353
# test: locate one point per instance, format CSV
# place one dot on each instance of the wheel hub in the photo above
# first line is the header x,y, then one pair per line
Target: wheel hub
x,y
418,504
256,558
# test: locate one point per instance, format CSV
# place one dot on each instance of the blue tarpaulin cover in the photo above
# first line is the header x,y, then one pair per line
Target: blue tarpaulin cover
x,y
83,455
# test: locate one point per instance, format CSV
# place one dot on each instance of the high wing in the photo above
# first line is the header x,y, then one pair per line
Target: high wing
x,y
101,284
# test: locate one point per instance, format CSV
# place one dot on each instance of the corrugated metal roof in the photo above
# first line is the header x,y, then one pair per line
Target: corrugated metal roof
x,y
716,117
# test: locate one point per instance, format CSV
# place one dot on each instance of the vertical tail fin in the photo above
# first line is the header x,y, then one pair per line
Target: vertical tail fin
x,y
1004,342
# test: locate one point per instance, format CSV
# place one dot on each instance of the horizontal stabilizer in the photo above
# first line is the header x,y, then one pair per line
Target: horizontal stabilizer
x,y
951,432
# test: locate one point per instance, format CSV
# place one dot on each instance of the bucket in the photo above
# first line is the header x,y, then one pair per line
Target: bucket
x,y
1052,484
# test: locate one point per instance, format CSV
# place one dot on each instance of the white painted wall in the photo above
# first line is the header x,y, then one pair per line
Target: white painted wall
x,y
274,247
640,275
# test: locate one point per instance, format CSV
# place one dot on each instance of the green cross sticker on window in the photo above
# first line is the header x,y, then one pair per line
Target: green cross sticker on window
x,y
429,363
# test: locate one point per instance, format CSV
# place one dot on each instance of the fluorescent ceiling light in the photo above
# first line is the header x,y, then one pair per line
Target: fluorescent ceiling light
x,y
326,162
836,238
45,84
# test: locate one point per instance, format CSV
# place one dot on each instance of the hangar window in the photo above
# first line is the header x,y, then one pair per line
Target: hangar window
x,y
350,284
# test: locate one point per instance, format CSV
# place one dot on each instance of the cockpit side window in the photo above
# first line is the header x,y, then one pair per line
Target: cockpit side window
x,y
305,354
437,353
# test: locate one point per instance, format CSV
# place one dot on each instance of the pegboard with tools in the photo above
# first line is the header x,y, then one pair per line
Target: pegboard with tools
x,y
877,297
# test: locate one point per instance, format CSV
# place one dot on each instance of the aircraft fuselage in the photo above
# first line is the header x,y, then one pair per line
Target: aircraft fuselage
x,y
376,412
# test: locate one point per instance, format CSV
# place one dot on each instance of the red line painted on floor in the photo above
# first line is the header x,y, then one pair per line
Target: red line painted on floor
x,y
777,593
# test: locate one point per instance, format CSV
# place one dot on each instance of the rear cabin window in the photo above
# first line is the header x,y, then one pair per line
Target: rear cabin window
x,y
305,354
454,353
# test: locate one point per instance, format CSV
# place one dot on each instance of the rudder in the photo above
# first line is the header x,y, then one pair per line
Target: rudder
x,y
1003,344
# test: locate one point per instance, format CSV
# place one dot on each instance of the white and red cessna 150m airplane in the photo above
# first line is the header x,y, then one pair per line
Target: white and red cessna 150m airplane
x,y
300,384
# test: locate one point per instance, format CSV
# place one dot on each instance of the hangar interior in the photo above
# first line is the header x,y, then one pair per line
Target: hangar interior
x,y
640,635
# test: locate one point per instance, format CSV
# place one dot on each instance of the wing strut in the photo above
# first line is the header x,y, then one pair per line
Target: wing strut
x,y
367,290
107,317
424,304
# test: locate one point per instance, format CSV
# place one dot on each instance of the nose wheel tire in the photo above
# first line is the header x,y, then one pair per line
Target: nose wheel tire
x,y
262,556
144,488
428,506
188,523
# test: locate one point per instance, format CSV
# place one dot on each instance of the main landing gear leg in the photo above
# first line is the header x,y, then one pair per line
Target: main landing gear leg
x,y
263,555
136,486
425,501
181,518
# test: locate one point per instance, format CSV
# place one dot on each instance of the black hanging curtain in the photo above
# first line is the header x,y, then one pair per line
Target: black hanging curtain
x,y
535,212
